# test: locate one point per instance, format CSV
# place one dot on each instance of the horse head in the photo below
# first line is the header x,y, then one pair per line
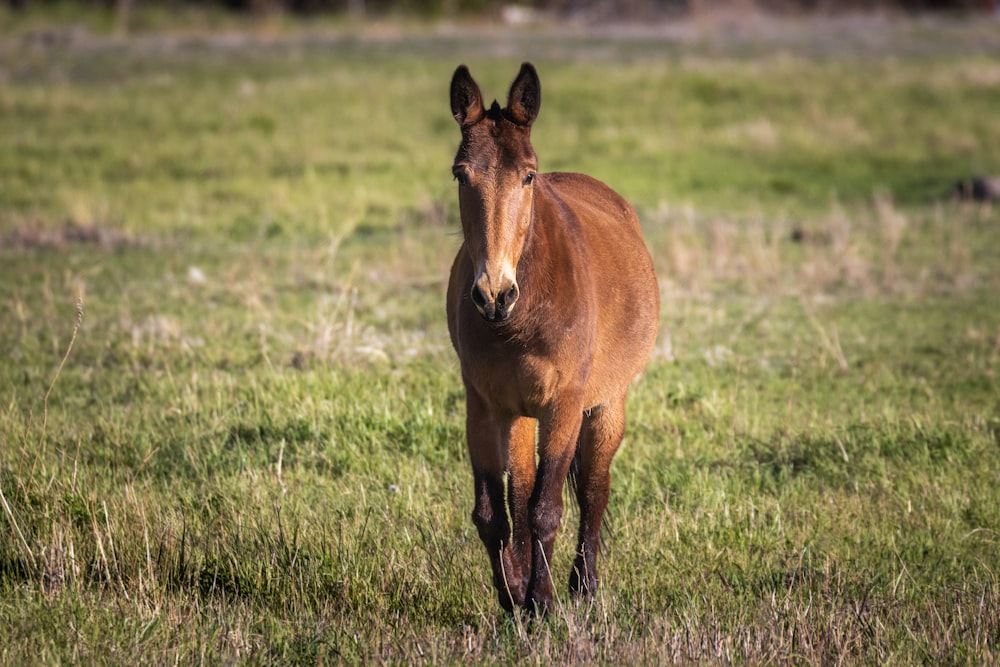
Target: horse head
x,y
495,168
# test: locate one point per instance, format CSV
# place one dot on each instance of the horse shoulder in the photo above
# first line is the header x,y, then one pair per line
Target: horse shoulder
x,y
593,201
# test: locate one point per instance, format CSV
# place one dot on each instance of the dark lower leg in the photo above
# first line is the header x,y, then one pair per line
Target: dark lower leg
x,y
600,436
593,500
490,518
546,515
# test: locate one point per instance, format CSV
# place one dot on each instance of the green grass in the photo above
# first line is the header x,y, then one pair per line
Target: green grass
x,y
232,426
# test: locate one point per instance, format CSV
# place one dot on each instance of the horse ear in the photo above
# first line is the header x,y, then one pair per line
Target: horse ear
x,y
525,96
466,99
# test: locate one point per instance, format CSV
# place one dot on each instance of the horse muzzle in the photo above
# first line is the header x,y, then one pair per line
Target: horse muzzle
x,y
495,305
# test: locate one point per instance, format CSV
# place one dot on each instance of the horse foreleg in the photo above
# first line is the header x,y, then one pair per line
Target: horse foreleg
x,y
557,444
489,441
520,484
600,436
490,517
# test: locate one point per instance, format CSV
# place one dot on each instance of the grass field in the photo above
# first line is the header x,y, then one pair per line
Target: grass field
x,y
232,426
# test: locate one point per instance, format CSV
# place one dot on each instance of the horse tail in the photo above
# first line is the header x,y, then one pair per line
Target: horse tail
x,y
574,472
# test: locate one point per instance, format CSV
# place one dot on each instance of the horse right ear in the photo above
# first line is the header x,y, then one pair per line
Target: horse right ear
x,y
466,98
525,96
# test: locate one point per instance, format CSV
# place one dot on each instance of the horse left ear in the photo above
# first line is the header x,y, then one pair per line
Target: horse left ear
x,y
525,96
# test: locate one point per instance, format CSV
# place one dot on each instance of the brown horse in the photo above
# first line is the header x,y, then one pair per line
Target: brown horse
x,y
553,309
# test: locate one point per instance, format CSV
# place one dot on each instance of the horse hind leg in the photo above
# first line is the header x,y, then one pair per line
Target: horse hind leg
x,y
600,436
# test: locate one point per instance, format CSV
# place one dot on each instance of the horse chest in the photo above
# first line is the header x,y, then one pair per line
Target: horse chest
x,y
525,378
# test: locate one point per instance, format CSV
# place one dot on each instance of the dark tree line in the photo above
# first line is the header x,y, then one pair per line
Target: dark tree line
x,y
624,8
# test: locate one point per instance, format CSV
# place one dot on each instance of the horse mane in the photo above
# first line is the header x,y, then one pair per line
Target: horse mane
x,y
495,113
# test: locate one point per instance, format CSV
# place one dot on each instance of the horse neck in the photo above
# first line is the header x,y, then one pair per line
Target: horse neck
x,y
545,264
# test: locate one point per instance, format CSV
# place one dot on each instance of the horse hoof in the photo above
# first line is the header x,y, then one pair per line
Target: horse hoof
x,y
538,607
510,594
581,585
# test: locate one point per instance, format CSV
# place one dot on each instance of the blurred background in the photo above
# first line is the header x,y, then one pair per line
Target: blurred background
x,y
592,10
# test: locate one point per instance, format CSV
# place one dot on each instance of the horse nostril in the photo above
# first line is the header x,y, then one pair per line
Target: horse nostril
x,y
507,298
478,297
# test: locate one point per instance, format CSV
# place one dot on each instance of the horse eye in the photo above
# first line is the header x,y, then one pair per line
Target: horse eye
x,y
460,177
529,178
